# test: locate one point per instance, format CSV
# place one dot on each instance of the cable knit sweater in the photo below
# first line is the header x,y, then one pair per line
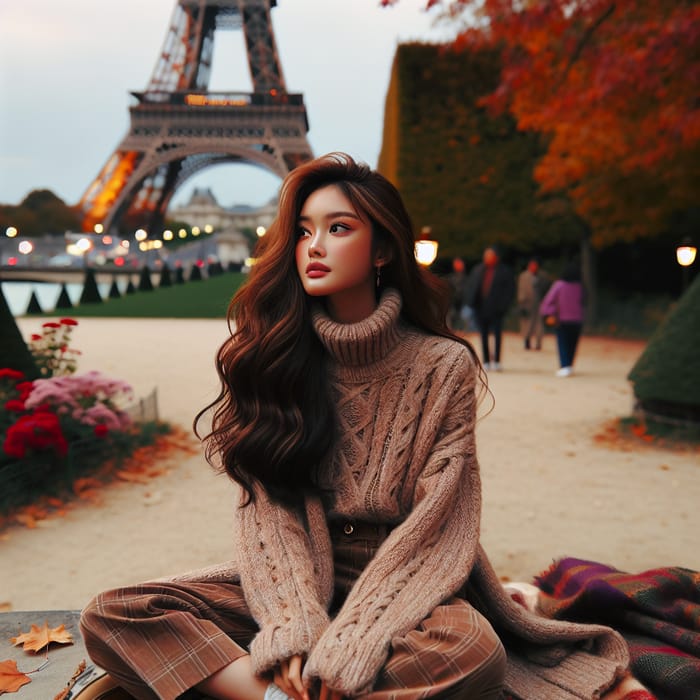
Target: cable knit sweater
x,y
404,455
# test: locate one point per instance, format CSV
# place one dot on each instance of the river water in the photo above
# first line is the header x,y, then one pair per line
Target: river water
x,y
18,294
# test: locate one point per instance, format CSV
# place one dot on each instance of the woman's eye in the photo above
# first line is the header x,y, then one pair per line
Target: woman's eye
x,y
302,233
338,228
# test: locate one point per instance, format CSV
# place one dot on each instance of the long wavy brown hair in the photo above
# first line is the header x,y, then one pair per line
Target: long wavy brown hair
x,y
273,420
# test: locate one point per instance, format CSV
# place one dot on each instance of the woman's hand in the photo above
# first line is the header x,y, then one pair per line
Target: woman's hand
x,y
288,678
327,694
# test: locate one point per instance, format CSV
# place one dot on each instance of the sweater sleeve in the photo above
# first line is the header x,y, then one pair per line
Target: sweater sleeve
x,y
286,574
549,305
424,560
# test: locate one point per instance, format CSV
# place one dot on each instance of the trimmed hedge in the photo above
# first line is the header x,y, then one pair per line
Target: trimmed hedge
x,y
460,170
666,377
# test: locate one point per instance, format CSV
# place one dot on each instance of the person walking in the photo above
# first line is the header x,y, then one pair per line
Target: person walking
x,y
346,418
563,305
532,286
457,280
490,293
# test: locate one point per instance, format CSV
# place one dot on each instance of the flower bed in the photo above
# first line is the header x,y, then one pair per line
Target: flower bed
x,y
62,426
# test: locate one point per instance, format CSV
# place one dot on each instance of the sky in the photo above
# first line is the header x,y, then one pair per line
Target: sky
x,y
67,66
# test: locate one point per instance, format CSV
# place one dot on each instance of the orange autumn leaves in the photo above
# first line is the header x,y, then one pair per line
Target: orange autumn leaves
x,y
144,464
38,638
612,86
11,680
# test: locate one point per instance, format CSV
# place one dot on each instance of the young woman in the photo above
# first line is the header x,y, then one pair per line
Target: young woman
x,y
564,304
346,417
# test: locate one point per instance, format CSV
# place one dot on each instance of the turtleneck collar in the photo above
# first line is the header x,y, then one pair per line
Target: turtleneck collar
x,y
365,342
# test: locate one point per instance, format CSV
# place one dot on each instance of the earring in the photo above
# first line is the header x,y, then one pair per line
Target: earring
x,y
379,275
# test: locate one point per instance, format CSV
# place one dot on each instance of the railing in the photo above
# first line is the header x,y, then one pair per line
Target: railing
x,y
145,410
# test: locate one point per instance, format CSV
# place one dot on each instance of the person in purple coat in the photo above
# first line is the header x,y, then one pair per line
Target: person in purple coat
x,y
564,302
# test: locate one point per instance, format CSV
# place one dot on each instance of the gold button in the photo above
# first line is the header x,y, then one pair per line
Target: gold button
x,y
348,529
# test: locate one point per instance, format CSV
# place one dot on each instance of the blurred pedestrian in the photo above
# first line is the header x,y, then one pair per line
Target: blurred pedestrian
x,y
490,293
533,283
563,308
457,280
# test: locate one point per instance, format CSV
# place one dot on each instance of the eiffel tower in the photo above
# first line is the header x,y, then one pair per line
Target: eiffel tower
x,y
178,127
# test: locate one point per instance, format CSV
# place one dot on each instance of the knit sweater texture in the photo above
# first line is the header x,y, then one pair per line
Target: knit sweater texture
x,y
404,455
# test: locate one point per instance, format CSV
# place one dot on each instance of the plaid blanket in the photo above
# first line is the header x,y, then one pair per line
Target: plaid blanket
x,y
657,611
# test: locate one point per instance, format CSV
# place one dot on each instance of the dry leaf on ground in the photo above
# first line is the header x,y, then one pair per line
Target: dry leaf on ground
x,y
39,637
11,679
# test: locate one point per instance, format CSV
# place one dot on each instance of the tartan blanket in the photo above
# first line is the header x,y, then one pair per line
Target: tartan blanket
x,y
657,611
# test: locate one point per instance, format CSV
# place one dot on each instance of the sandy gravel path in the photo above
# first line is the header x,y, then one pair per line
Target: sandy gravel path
x,y
550,488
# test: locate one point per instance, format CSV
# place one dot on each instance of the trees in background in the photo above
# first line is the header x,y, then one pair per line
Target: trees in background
x,y
40,212
612,86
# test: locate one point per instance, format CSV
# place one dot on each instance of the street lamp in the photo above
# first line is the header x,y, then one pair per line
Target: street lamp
x,y
25,247
10,232
685,256
426,248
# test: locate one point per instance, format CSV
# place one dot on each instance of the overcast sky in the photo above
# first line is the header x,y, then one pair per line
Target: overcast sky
x,y
66,68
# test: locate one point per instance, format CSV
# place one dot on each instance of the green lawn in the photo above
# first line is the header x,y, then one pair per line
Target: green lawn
x,y
208,298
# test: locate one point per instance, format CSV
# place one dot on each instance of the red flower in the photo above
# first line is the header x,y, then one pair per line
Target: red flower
x,y
36,336
68,322
7,373
101,430
50,324
24,388
39,432
15,405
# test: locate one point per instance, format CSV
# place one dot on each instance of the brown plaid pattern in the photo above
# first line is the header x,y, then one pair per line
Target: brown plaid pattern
x,y
160,639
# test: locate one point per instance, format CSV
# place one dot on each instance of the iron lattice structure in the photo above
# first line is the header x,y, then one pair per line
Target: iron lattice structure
x,y
178,127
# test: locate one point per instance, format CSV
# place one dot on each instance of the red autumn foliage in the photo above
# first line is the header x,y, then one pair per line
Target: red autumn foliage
x,y
612,84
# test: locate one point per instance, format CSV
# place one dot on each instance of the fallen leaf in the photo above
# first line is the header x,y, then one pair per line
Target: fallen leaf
x,y
11,679
40,637
135,477
66,692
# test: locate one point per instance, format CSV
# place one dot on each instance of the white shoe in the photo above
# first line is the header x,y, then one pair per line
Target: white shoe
x,y
565,372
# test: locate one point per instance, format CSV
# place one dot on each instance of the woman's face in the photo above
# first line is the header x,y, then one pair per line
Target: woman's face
x,y
334,254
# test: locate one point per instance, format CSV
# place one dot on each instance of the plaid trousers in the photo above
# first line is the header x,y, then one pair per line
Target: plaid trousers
x,y
160,639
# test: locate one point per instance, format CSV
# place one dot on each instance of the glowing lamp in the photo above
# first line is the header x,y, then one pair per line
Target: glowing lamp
x,y
685,253
98,228
11,232
141,235
260,231
426,248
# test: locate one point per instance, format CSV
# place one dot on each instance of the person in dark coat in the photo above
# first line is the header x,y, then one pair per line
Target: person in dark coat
x,y
490,293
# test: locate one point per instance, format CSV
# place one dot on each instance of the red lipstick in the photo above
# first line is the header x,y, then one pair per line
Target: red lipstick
x,y
316,269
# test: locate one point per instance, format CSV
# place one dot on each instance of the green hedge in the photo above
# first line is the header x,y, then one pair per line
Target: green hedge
x,y
460,170
666,377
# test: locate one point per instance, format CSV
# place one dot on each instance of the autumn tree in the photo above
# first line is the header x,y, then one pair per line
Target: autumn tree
x,y
40,212
612,84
